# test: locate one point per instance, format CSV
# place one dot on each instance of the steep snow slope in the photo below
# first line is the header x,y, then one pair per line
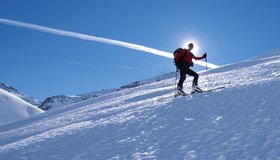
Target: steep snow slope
x,y
13,108
15,92
240,121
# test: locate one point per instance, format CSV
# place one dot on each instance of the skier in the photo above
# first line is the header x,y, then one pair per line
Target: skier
x,y
184,62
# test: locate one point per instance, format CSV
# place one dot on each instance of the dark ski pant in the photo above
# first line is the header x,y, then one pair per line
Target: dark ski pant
x,y
183,72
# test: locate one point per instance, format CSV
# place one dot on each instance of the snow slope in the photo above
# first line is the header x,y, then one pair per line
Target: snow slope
x,y
13,108
20,95
240,121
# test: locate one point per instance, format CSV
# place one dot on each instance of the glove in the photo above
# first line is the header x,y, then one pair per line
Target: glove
x,y
205,55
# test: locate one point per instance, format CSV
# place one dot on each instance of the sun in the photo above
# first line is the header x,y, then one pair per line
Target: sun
x,y
195,49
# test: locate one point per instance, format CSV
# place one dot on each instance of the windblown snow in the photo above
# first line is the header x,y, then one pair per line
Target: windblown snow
x,y
12,108
240,121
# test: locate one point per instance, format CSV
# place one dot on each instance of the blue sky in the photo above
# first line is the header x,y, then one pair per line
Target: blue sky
x,y
42,64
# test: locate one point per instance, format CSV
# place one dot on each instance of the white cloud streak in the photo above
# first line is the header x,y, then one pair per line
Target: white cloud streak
x,y
94,38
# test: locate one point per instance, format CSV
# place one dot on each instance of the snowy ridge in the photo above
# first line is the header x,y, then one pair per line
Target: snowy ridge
x,y
275,52
240,121
62,100
58,101
15,92
12,108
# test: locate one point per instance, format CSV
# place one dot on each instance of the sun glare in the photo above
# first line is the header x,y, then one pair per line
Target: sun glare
x,y
195,49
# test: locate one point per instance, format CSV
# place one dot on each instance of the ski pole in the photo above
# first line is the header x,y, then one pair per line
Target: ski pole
x,y
176,79
206,70
206,63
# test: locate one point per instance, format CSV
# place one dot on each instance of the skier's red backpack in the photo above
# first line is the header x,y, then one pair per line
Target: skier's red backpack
x,y
178,54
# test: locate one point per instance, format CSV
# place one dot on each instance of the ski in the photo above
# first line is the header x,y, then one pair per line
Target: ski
x,y
180,94
209,90
203,91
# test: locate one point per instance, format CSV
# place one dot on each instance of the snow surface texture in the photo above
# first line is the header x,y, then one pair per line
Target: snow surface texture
x,y
13,108
240,121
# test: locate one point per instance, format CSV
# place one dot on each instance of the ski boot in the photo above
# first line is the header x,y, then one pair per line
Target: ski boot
x,y
196,89
180,90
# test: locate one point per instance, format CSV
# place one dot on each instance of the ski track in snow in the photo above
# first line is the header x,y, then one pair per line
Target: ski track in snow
x,y
240,121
